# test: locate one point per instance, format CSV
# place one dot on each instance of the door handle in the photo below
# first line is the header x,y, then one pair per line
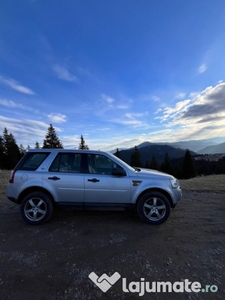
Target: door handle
x,y
54,178
94,180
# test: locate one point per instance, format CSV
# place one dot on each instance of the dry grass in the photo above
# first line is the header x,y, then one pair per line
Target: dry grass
x,y
214,183
4,179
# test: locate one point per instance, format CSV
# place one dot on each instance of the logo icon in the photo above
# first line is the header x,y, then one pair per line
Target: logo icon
x,y
104,282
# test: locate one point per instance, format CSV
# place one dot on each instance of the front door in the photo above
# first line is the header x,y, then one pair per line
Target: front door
x,y
103,187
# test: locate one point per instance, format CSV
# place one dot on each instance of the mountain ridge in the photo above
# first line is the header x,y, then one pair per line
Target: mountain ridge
x,y
214,149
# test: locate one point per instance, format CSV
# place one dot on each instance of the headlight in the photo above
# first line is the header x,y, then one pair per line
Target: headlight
x,y
175,183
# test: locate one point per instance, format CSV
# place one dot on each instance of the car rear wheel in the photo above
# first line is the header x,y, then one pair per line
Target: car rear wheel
x,y
153,208
36,208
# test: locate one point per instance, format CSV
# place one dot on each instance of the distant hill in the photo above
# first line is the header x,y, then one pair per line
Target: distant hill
x,y
192,145
147,150
213,149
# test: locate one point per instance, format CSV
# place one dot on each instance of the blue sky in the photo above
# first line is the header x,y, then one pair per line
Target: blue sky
x,y
117,72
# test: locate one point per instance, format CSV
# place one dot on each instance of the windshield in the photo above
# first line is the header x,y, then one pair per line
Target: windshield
x,y
122,162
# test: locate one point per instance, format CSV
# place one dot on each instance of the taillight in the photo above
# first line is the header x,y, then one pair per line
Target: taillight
x,y
12,175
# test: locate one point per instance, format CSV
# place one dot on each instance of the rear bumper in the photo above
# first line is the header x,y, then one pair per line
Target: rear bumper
x,y
11,193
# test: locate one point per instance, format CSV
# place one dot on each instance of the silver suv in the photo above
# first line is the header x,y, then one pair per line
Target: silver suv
x,y
88,179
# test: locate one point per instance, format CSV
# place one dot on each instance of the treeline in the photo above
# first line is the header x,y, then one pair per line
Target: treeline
x,y
11,153
182,168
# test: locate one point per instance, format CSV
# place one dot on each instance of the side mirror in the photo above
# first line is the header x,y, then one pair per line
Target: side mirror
x,y
119,172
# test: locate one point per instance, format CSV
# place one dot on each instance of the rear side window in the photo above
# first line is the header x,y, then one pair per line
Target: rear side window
x,y
32,160
66,163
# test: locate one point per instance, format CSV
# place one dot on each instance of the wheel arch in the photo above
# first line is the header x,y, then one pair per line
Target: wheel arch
x,y
165,193
33,189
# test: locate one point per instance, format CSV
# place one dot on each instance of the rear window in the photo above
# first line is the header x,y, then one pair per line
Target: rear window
x,y
32,160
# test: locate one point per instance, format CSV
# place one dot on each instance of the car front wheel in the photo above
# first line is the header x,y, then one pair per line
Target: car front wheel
x,y
36,208
153,208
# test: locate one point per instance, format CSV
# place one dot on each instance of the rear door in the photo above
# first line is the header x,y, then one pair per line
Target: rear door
x,y
65,179
103,187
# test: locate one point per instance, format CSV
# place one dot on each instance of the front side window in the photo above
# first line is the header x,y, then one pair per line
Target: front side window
x,y
100,164
66,163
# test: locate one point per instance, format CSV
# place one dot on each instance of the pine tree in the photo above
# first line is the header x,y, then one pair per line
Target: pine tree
x,y
2,155
117,154
166,165
135,160
22,150
37,146
188,167
154,164
147,165
11,150
82,145
51,139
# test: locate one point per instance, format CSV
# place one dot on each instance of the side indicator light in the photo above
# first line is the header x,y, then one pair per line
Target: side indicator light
x,y
136,182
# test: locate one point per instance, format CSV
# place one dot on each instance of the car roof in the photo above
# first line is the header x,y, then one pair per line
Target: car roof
x,y
68,150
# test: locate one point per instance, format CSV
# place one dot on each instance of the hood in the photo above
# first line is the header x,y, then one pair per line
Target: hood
x,y
152,173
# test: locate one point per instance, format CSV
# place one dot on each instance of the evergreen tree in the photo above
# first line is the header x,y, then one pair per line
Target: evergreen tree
x,y
166,165
22,150
82,145
37,146
147,165
11,150
51,139
135,160
154,164
2,155
188,167
117,154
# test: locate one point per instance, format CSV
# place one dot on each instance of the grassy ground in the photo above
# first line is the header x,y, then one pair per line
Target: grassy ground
x,y
4,178
204,183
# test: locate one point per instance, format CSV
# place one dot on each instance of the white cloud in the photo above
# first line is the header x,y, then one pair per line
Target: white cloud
x,y
158,111
107,99
11,104
136,115
16,86
198,118
57,118
64,74
71,141
26,132
127,122
122,106
155,98
132,119
202,68
180,96
173,112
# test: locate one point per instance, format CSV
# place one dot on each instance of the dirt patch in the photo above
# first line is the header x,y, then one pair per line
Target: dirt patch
x,y
53,261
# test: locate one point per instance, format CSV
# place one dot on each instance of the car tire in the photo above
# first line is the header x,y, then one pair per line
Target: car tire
x,y
36,208
153,208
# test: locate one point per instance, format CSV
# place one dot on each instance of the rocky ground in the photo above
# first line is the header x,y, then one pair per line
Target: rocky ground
x,y
53,261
